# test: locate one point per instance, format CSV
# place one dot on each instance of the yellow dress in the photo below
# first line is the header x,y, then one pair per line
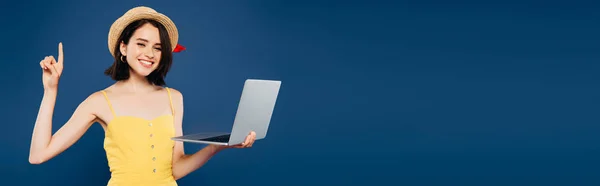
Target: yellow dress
x,y
139,151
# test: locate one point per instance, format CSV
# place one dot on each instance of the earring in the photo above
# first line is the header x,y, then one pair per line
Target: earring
x,y
123,60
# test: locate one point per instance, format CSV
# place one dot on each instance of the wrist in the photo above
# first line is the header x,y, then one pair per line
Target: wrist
x,y
218,148
50,91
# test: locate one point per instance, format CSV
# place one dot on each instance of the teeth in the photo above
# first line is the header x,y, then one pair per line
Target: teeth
x,y
146,62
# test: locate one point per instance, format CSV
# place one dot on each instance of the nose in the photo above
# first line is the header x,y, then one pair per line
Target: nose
x,y
149,52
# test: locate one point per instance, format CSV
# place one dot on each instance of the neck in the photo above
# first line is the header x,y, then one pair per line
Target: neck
x,y
136,83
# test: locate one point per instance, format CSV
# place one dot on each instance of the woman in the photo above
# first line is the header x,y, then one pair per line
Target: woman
x,y
138,114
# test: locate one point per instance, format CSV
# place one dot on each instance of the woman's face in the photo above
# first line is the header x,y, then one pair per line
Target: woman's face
x,y
143,51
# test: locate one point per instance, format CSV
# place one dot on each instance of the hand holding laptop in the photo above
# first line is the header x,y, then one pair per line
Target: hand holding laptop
x,y
248,142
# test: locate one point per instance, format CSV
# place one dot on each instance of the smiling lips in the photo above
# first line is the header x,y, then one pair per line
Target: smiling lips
x,y
145,63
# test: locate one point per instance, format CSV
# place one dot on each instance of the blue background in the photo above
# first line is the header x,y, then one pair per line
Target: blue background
x,y
374,92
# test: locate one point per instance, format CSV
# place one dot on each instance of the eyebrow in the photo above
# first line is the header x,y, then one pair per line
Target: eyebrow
x,y
144,40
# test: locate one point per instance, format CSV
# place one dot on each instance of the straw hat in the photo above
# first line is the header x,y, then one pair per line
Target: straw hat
x,y
135,14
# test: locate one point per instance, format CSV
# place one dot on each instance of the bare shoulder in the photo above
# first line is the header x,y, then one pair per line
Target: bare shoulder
x,y
89,108
93,99
177,98
176,94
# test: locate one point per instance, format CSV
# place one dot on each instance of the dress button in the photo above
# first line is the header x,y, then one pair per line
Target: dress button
x,y
150,124
150,135
154,170
153,158
152,146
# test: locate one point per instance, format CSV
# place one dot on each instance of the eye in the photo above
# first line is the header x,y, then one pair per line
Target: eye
x,y
141,44
157,49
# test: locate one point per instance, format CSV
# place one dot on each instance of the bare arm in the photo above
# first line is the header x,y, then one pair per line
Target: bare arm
x,y
184,164
44,145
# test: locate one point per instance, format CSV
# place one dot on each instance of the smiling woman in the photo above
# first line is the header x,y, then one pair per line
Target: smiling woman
x,y
138,114
147,56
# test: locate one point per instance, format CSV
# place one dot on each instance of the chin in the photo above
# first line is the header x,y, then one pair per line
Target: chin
x,y
143,71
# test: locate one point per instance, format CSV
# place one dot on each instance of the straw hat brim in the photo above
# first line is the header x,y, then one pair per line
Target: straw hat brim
x,y
135,14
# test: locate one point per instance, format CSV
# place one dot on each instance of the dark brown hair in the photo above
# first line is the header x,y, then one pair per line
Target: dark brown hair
x,y
119,70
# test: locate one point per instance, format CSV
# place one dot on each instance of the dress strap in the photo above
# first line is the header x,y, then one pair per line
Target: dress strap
x,y
170,101
109,104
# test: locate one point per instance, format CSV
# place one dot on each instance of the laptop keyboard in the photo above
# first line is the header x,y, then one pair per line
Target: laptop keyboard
x,y
222,138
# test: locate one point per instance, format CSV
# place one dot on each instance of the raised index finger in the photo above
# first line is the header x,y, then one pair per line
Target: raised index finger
x,y
60,53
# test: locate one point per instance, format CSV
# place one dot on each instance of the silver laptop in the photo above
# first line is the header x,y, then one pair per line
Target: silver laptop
x,y
253,114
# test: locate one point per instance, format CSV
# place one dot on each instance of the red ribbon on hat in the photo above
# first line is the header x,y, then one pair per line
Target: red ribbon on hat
x,y
179,48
